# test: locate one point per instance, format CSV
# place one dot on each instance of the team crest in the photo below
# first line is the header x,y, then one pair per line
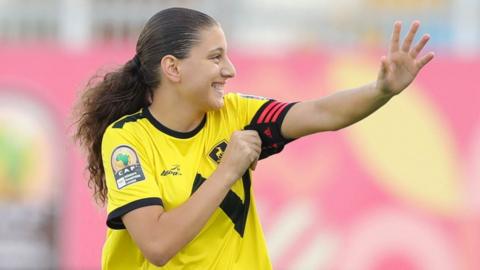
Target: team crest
x,y
126,166
217,152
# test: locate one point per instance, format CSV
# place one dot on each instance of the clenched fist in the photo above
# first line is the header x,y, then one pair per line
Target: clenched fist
x,y
242,152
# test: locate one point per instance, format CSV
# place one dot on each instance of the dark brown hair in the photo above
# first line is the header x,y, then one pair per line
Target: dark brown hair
x,y
131,87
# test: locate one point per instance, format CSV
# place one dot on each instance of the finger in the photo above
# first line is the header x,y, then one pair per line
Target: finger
x,y
252,138
383,68
410,36
258,143
249,131
253,135
425,59
395,41
255,157
419,47
257,148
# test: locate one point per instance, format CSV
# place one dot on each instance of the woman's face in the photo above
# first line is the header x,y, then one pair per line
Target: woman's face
x,y
205,71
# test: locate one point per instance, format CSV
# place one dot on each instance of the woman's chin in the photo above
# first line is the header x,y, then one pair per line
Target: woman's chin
x,y
217,104
220,103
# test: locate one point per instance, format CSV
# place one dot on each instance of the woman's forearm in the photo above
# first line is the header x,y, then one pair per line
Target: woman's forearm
x,y
333,112
347,107
180,225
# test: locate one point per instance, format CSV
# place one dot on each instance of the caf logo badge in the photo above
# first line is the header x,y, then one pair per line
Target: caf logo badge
x,y
217,151
126,166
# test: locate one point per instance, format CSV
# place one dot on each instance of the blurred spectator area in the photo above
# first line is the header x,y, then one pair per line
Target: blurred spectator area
x,y
79,23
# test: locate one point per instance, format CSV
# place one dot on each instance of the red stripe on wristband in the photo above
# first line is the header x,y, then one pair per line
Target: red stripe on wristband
x,y
272,112
279,111
265,111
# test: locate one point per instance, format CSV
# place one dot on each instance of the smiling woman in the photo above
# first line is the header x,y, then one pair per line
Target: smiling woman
x,y
207,68
172,155
169,154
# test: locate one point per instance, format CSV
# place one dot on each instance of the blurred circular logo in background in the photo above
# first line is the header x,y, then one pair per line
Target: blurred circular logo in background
x,y
30,149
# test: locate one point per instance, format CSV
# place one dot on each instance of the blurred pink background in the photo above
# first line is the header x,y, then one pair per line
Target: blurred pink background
x,y
399,190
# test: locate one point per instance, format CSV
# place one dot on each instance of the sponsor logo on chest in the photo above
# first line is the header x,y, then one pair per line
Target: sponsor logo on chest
x,y
174,171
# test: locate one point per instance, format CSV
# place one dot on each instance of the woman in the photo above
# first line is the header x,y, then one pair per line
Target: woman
x,y
171,155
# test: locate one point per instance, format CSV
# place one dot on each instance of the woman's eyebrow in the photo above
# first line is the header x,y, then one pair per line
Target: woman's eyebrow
x,y
220,49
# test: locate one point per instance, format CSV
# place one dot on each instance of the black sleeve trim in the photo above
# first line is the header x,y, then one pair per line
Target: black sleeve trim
x,y
114,219
268,123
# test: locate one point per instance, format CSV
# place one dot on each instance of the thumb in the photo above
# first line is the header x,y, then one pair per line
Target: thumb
x,y
383,68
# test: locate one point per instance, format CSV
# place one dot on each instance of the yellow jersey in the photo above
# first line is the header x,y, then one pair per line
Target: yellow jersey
x,y
147,163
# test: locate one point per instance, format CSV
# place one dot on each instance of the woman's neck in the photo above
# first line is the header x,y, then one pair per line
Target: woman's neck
x,y
173,112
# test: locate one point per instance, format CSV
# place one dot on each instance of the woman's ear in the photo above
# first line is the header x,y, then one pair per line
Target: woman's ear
x,y
170,68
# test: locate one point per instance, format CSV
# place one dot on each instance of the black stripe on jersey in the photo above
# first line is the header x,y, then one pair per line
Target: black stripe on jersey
x,y
130,118
114,219
199,179
240,224
232,205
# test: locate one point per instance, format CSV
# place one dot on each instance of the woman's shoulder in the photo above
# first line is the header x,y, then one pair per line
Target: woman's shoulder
x,y
126,125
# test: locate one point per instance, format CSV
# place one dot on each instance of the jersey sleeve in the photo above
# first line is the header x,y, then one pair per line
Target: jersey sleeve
x,y
266,117
129,176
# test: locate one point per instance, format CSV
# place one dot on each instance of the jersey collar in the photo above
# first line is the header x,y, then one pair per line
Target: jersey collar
x,y
171,132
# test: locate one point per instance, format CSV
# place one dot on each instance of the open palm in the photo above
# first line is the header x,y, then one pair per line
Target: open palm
x,y
400,67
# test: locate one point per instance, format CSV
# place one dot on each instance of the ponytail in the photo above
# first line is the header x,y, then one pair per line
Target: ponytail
x,y
118,93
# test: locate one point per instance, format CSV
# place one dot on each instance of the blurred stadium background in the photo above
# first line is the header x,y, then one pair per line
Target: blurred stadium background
x,y
400,190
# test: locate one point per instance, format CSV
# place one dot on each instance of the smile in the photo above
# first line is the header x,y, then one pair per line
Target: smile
x,y
218,86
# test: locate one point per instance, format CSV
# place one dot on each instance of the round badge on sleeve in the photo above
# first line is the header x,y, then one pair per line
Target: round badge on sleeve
x,y
126,166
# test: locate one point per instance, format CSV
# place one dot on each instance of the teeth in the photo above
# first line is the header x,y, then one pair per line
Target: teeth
x,y
217,86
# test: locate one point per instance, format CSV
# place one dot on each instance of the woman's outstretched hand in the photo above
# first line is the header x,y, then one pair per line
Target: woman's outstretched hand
x,y
400,67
